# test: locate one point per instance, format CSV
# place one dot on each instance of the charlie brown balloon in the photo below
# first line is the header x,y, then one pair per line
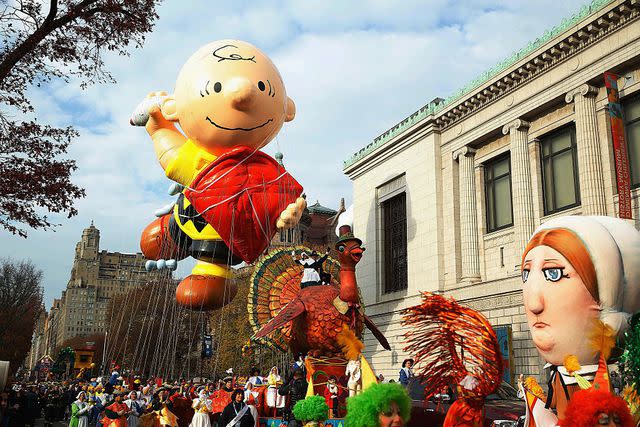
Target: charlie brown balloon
x,y
229,101
576,269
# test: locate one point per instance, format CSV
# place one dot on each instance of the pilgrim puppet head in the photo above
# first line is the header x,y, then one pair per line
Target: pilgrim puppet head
x,y
576,269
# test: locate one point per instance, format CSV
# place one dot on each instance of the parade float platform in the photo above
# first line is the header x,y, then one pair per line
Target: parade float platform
x,y
277,422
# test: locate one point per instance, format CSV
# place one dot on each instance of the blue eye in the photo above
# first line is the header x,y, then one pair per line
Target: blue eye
x,y
553,274
525,275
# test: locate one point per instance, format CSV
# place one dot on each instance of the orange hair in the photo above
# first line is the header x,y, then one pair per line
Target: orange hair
x,y
571,247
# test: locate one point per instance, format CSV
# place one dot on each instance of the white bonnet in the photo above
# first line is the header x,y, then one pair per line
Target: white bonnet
x,y
614,247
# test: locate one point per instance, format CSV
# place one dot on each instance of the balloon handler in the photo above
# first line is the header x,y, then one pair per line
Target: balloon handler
x,y
229,102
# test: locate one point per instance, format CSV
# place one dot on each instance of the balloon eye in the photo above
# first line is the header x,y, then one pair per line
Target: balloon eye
x,y
525,276
217,87
552,274
261,86
341,248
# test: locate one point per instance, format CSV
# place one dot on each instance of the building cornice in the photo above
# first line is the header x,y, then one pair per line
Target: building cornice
x,y
589,25
410,136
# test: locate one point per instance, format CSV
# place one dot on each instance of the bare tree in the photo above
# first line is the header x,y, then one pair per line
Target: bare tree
x,y
40,42
20,305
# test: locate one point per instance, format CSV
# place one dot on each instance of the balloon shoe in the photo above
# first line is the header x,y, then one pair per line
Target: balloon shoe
x,y
156,242
202,291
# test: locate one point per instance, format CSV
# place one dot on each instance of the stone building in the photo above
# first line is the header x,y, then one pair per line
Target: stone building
x,y
96,277
38,340
447,199
321,231
51,327
315,229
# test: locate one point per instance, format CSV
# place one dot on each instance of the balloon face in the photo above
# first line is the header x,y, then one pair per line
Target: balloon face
x,y
559,308
229,93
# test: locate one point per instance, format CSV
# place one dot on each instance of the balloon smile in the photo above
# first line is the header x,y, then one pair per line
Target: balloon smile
x,y
244,129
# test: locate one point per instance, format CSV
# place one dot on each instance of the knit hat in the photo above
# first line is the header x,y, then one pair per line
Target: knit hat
x,y
614,247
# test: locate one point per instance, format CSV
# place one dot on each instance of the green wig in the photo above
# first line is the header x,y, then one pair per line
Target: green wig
x,y
364,409
313,408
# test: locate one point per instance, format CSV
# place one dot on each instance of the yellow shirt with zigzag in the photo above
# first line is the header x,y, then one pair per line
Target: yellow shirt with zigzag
x,y
189,161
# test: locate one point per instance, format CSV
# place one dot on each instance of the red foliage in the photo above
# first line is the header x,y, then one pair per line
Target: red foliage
x,y
66,40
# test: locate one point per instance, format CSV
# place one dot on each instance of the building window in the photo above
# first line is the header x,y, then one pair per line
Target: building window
x,y
632,130
560,171
394,211
497,187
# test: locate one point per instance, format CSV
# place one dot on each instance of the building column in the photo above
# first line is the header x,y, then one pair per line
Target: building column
x,y
523,219
591,178
468,215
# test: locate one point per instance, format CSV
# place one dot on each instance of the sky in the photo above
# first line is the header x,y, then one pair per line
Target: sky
x,y
354,69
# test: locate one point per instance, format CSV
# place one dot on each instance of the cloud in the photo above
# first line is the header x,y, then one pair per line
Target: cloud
x,y
354,70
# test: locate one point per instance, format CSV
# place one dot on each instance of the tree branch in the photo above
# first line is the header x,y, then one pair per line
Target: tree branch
x,y
53,11
49,25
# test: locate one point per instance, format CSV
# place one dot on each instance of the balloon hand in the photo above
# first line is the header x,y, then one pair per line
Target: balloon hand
x,y
290,217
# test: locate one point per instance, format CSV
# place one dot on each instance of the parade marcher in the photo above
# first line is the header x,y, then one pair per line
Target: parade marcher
x,y
406,373
595,408
115,414
252,399
51,406
222,397
236,413
468,409
251,396
202,407
136,410
332,396
310,275
381,405
80,411
275,401
318,263
296,389
354,374
147,393
32,408
299,364
255,377
162,406
113,380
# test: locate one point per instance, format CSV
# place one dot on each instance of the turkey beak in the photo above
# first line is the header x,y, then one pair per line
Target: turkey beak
x,y
356,253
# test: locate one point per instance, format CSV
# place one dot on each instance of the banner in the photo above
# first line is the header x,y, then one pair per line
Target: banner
x,y
619,146
207,346
503,333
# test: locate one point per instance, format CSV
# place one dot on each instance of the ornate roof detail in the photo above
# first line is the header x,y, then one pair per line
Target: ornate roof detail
x,y
508,74
317,208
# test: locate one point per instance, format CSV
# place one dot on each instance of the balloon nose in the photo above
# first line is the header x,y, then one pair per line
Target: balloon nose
x,y
241,93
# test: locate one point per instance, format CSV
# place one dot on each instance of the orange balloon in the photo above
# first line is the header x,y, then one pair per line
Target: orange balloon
x,y
201,292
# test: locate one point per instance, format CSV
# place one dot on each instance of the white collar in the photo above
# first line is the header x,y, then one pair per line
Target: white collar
x,y
586,371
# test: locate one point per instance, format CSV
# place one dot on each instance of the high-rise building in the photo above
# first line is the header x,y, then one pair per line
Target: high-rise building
x,y
51,327
38,340
96,277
